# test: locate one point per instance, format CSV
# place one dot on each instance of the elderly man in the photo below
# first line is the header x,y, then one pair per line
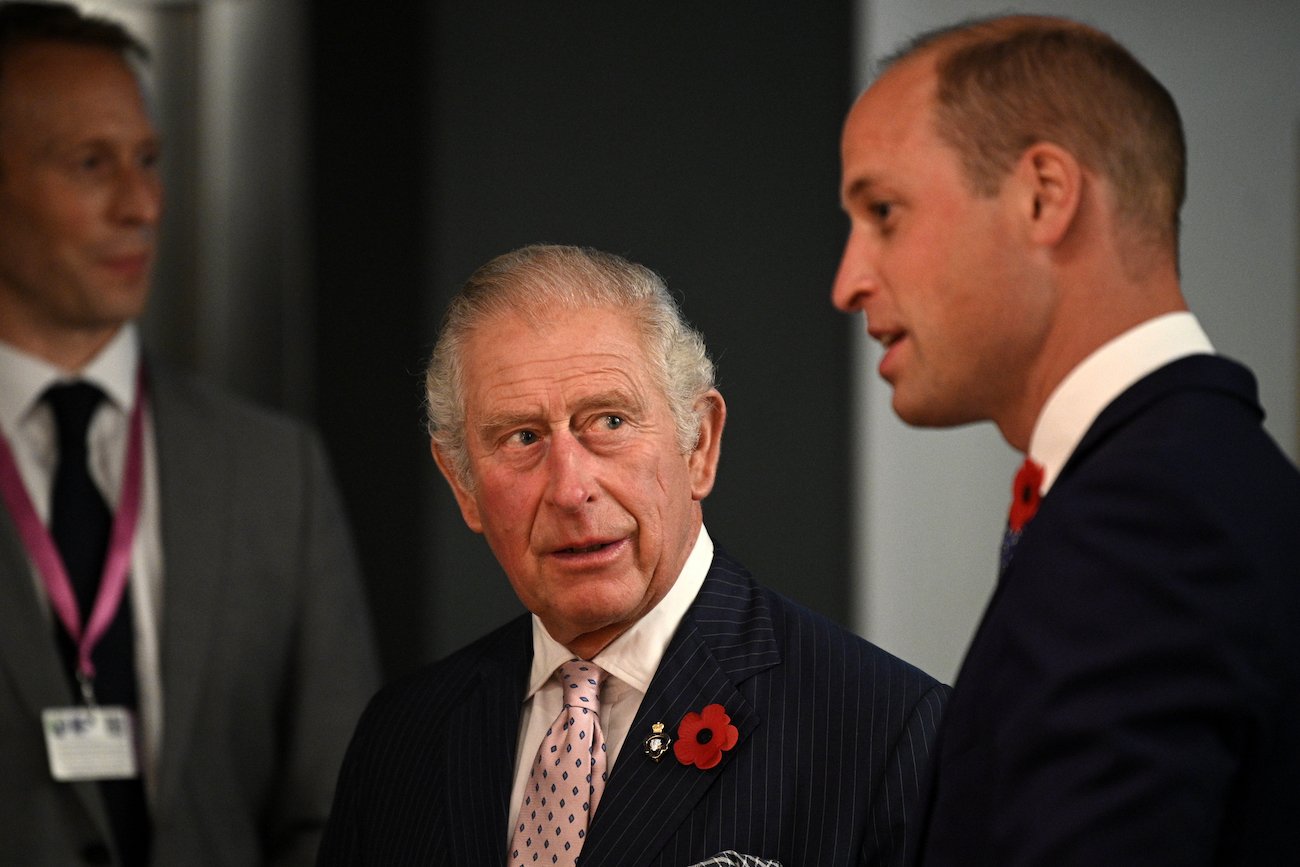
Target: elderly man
x,y
573,414
1132,695
183,641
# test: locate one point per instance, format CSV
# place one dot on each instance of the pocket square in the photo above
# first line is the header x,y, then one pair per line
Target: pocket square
x,y
732,858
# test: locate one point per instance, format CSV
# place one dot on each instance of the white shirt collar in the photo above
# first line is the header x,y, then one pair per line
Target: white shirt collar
x,y
634,656
24,378
1101,377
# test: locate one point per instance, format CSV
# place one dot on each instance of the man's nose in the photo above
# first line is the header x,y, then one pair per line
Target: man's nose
x,y
855,280
139,195
571,483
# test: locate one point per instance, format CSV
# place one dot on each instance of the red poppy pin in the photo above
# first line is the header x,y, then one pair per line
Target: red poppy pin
x,y
703,737
1025,495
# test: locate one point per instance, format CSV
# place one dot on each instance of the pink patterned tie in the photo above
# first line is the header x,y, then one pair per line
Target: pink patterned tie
x,y
568,775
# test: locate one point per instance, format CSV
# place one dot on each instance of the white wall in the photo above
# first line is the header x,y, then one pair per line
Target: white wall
x,y
932,503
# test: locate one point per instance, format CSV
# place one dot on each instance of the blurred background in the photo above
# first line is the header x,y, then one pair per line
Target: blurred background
x,y
334,171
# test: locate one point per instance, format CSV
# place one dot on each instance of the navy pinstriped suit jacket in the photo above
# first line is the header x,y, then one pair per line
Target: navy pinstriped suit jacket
x,y
834,737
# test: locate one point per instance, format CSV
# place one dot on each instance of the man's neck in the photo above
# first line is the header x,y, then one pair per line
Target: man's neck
x,y
69,350
1092,310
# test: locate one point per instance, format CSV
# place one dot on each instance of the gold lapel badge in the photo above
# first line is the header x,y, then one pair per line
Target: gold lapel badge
x,y
656,745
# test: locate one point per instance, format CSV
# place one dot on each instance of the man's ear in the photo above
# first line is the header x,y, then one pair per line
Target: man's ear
x,y
1051,181
703,459
464,497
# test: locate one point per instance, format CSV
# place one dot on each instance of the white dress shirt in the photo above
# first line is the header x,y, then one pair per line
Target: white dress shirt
x,y
630,662
27,422
1103,376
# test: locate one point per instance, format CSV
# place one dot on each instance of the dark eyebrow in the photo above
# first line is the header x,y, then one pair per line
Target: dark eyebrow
x,y
859,189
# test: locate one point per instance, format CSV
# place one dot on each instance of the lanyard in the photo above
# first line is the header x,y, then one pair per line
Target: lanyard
x,y
41,548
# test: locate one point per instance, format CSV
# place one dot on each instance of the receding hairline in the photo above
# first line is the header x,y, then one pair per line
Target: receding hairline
x,y
28,27
1005,82
941,43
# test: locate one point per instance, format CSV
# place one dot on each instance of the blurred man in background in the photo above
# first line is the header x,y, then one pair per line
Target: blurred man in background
x,y
183,639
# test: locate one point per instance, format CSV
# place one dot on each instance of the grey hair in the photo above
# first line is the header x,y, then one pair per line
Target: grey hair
x,y
534,283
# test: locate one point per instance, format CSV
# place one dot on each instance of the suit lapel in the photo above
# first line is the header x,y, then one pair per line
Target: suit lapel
x,y
491,705
193,466
27,651
725,638
26,641
1203,372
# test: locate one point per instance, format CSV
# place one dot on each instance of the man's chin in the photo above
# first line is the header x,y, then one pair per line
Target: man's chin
x,y
927,415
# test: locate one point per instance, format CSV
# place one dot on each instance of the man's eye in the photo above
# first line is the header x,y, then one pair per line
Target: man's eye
x,y
881,210
613,422
525,437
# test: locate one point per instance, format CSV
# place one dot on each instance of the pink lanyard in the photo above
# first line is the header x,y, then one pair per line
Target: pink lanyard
x,y
40,546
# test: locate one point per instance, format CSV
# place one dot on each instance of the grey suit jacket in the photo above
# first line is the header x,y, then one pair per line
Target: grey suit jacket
x,y
265,649
834,739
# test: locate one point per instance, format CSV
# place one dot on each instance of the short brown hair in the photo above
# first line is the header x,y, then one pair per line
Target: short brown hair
x,y
1006,83
24,24
27,24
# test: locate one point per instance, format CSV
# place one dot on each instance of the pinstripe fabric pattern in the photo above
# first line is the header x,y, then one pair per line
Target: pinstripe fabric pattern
x,y
396,802
834,737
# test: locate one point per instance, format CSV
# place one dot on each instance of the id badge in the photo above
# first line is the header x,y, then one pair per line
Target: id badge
x,y
90,743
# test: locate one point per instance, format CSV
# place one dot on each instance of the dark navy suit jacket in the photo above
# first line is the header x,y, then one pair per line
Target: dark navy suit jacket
x,y
1133,693
834,736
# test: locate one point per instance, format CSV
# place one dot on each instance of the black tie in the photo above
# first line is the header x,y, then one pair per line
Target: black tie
x,y
79,518
81,523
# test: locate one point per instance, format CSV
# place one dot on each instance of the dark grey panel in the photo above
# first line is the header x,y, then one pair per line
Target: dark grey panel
x,y
703,142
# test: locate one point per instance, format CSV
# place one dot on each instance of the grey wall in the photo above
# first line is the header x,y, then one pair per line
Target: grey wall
x,y
932,503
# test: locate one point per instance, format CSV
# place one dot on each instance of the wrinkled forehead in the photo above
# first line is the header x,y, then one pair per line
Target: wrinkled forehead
x,y
553,320
563,348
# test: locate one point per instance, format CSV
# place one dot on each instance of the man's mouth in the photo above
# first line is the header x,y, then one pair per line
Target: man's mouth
x,y
585,549
127,262
887,338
